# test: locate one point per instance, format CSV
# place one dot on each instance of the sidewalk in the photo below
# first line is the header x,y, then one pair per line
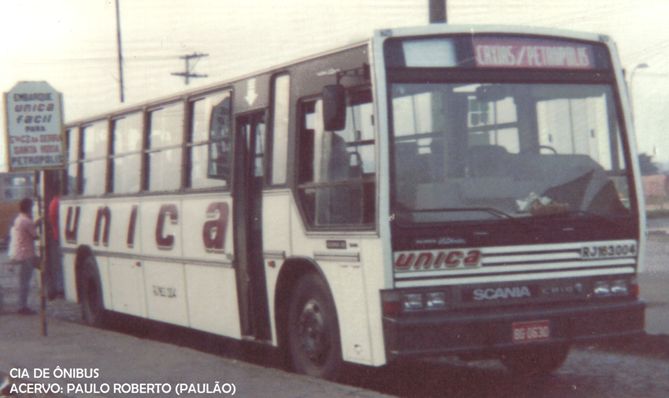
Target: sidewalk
x,y
96,358
9,288
96,361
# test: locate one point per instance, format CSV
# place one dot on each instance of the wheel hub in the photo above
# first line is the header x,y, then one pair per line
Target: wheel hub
x,y
312,332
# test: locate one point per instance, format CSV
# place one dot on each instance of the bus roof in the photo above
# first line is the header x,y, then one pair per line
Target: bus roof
x,y
434,29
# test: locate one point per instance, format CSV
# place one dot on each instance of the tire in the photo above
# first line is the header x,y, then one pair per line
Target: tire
x,y
313,331
93,311
536,361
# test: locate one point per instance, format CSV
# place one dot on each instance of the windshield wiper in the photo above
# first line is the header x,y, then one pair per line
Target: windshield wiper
x,y
499,214
495,212
583,214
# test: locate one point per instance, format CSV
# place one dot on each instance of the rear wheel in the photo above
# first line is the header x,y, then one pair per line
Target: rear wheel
x,y
535,361
313,330
92,306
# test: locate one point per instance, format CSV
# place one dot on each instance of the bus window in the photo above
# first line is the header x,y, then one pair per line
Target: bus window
x,y
589,131
165,138
258,151
72,137
94,160
203,111
493,123
280,129
220,133
337,187
127,160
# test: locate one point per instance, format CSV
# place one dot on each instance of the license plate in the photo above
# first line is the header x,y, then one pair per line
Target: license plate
x,y
524,332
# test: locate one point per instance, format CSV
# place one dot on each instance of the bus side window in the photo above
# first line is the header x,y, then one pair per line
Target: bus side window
x,y
165,139
210,141
127,156
220,134
71,184
280,117
94,160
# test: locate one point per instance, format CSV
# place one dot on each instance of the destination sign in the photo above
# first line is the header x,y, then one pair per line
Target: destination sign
x,y
509,52
487,51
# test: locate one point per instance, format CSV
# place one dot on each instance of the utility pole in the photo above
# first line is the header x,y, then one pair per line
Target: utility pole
x,y
187,74
120,52
437,11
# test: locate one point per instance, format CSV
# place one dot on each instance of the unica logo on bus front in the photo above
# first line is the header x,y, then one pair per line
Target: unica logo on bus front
x,y
437,260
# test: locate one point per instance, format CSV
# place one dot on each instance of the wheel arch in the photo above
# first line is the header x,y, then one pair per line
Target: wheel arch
x,y
291,271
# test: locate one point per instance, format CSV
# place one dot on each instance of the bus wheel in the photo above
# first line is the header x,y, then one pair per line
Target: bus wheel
x,y
313,331
537,361
92,307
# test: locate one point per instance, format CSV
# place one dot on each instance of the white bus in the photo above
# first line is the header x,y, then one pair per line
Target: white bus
x,y
440,190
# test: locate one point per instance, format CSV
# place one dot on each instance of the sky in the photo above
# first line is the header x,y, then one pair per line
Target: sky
x,y
72,44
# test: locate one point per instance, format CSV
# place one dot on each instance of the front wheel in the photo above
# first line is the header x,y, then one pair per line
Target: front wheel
x,y
92,306
535,361
313,330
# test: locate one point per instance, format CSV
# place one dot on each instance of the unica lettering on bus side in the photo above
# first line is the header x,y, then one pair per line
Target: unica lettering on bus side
x,y
431,178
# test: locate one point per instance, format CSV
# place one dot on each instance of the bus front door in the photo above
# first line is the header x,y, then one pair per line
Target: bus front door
x,y
247,194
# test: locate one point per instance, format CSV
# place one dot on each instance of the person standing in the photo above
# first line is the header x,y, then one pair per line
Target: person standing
x,y
25,233
55,272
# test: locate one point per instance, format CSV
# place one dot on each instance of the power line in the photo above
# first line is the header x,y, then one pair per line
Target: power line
x,y
187,74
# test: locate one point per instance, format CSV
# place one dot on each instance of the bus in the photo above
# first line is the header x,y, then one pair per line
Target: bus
x,y
432,191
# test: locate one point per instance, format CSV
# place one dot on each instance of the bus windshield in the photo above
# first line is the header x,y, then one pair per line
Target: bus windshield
x,y
475,151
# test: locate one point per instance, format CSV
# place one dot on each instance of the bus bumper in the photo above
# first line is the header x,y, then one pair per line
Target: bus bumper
x,y
492,331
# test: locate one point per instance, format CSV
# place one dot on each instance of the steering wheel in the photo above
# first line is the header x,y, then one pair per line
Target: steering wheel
x,y
550,148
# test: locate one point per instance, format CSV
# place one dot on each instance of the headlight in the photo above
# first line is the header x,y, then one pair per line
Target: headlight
x,y
412,302
618,288
435,300
601,289
419,301
395,301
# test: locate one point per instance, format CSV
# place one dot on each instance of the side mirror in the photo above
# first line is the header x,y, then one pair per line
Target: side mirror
x,y
334,107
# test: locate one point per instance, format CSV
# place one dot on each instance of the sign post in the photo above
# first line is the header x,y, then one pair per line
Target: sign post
x,y
35,142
